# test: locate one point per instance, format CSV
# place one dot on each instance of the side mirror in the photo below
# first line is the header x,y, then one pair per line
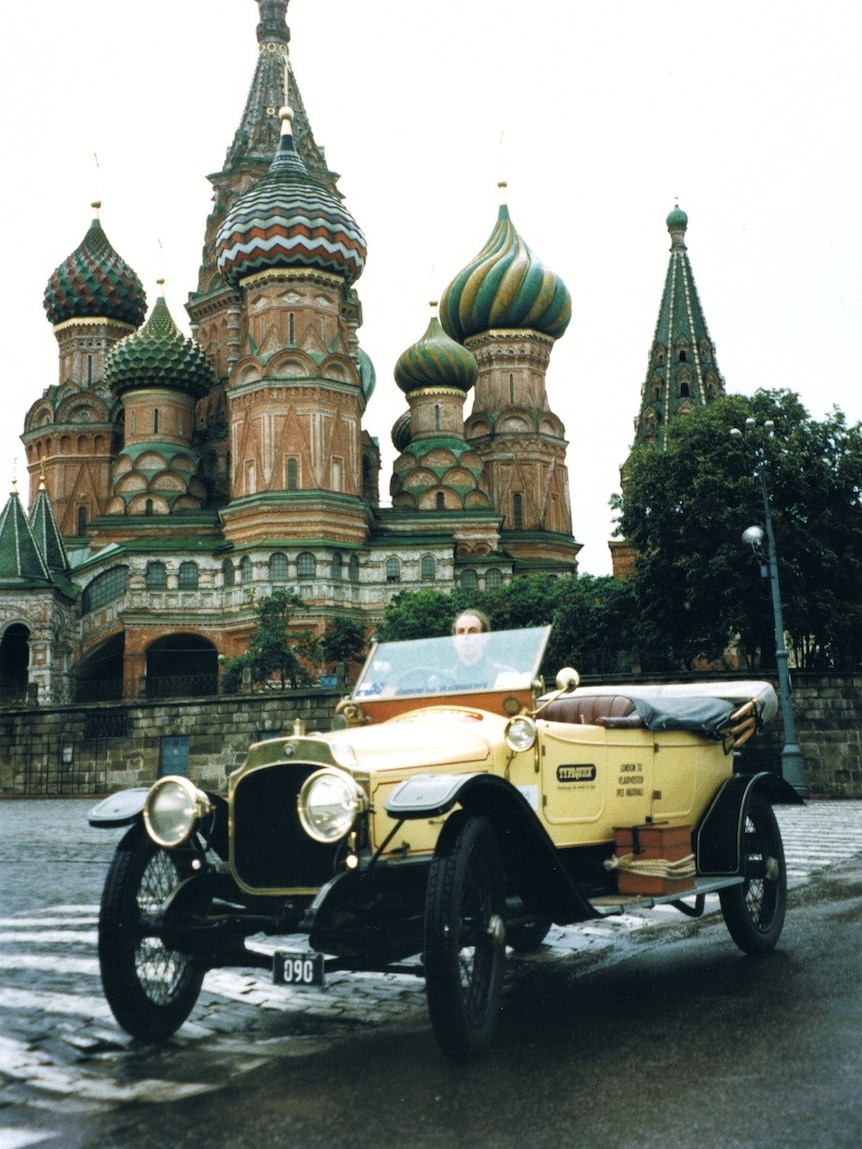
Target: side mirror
x,y
567,679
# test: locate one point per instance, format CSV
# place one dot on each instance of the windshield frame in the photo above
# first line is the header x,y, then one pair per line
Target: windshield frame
x,y
510,660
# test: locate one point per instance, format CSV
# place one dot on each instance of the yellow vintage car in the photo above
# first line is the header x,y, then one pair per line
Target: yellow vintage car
x,y
455,809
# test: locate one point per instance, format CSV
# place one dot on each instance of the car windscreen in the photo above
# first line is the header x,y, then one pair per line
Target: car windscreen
x,y
495,660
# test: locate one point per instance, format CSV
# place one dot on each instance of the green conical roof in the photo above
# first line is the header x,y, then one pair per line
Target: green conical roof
x,y
45,531
682,372
22,565
159,355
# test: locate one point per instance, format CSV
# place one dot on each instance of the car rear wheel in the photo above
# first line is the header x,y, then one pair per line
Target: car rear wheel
x,y
150,987
754,911
465,936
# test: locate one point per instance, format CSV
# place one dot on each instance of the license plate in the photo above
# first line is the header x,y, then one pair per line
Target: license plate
x,y
300,968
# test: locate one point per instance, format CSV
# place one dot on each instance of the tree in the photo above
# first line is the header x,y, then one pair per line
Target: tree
x,y
344,640
592,618
275,653
684,509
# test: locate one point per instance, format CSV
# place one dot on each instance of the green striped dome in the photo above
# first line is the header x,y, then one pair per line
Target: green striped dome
x,y
505,288
436,360
677,218
94,282
159,355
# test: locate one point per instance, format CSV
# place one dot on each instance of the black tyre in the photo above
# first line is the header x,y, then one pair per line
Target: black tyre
x,y
150,987
465,936
754,911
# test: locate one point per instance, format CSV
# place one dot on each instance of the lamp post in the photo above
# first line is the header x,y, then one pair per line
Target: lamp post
x,y
792,767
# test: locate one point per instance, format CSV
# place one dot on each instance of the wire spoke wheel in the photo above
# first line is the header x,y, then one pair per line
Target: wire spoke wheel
x,y
150,986
465,937
754,911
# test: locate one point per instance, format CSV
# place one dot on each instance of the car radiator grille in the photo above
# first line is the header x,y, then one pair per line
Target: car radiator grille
x,y
270,848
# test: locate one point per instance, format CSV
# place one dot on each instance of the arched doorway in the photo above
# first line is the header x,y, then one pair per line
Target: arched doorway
x,y
14,663
99,675
181,666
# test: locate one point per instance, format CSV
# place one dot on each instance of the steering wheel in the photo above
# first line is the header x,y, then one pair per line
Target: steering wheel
x,y
421,678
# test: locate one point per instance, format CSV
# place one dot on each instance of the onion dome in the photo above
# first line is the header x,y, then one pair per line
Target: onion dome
x,y
505,288
401,432
436,361
94,282
159,355
677,219
289,220
367,374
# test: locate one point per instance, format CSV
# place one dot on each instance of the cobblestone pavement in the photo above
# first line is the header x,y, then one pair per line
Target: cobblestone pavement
x,y
62,1052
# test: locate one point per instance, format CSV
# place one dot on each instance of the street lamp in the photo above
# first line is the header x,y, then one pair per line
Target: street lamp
x,y
792,767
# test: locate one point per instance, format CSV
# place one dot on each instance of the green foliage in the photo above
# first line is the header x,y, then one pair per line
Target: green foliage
x,y
344,640
275,654
684,510
592,617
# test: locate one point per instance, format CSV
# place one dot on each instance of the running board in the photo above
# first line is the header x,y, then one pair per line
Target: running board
x,y
610,904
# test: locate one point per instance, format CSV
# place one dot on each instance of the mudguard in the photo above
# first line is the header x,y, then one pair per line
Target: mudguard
x,y
120,809
531,859
126,808
718,836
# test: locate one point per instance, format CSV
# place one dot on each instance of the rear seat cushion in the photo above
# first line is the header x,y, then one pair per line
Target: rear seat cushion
x,y
613,710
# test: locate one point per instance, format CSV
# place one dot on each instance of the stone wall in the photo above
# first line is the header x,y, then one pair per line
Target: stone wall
x,y
98,749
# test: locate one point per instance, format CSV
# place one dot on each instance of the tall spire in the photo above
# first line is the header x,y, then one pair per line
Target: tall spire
x,y
682,372
256,139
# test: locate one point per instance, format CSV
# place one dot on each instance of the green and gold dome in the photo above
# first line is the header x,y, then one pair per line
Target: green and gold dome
x,y
436,360
505,287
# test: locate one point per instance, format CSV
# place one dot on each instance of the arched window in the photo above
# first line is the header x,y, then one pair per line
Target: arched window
x,y
393,570
291,328
157,576
245,569
336,565
82,520
684,390
469,580
440,501
518,512
155,420
188,579
228,574
436,416
306,565
278,567
428,567
493,579
104,589
353,568
291,474
148,507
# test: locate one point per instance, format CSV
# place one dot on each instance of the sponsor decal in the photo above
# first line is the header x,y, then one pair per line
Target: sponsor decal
x,y
585,773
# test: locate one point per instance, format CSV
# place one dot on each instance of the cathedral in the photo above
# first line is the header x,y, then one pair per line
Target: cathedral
x,y
174,482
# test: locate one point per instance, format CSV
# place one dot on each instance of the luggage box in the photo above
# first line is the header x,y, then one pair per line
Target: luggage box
x,y
653,842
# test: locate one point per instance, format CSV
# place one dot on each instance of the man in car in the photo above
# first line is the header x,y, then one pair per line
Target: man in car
x,y
471,633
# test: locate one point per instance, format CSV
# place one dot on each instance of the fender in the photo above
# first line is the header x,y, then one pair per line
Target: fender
x,y
126,808
530,857
121,809
718,837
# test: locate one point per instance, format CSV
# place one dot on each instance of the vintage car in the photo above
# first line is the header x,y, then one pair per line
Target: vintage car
x,y
454,810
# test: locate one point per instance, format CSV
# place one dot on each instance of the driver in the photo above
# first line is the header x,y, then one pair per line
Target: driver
x,y
471,633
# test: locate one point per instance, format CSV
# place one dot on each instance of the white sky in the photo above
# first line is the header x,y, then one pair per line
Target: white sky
x,y
599,115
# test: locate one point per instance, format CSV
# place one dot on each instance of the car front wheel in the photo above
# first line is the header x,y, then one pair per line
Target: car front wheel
x,y
465,936
150,987
754,911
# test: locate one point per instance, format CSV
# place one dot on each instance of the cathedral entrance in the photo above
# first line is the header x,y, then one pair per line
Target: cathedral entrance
x,y
14,664
181,666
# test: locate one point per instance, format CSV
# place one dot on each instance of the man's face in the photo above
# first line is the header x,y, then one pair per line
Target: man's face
x,y
470,639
